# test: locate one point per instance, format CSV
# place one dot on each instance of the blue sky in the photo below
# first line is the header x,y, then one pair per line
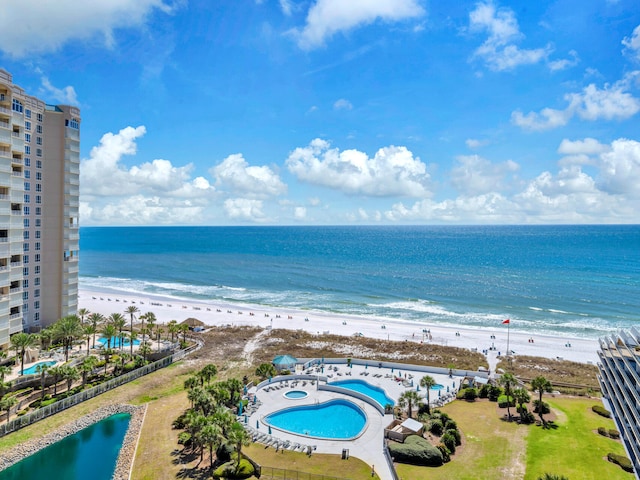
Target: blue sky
x,y
285,112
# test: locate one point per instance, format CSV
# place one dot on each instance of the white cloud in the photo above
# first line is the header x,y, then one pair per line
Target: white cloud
x,y
499,51
632,44
474,175
342,104
588,146
613,102
474,143
392,171
155,192
34,26
328,17
286,6
563,64
65,95
620,169
300,213
250,181
245,209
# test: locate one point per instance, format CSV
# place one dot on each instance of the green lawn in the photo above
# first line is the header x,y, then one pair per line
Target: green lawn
x,y
496,449
574,449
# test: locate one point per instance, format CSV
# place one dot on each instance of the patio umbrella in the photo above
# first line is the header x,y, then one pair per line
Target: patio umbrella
x,y
269,429
246,419
240,405
257,424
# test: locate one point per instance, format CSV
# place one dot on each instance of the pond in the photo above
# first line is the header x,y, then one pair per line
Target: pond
x,y
90,453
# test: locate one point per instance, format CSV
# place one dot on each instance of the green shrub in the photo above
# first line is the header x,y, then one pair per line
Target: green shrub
x,y
600,410
224,451
614,433
484,391
449,441
502,401
455,434
446,454
602,431
450,424
527,417
44,403
436,427
494,392
545,407
35,404
184,439
416,451
228,470
621,460
22,412
470,394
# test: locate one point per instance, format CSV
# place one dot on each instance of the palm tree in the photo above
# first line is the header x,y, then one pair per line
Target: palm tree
x,y
238,437
7,403
541,385
95,319
42,370
150,318
266,370
68,329
207,373
86,367
211,436
46,336
144,350
131,311
173,329
184,329
83,312
56,372
507,380
20,342
521,396
159,332
70,374
118,321
408,399
89,331
109,331
4,371
427,382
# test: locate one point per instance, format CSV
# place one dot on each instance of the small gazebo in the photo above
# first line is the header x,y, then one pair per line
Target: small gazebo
x,y
284,362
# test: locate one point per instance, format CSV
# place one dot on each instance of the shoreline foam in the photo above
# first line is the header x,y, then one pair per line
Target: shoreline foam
x,y
214,313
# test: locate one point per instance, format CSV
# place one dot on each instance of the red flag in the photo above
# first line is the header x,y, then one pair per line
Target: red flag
x,y
507,321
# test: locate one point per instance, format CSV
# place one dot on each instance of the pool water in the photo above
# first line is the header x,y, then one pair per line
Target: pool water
x,y
90,453
335,419
437,386
365,388
115,342
296,394
33,368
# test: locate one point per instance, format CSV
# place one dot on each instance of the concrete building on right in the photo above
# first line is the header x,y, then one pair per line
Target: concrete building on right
x,y
620,383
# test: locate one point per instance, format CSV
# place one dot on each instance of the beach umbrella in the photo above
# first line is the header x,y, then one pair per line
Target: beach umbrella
x,y
255,399
257,424
454,384
447,389
245,419
240,405
269,429
391,369
269,378
366,366
438,392
245,389
418,388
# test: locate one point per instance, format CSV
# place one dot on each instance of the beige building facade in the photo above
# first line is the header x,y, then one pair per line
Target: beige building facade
x,y
39,201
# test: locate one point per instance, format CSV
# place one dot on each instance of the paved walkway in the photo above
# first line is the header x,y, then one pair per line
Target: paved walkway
x,y
368,446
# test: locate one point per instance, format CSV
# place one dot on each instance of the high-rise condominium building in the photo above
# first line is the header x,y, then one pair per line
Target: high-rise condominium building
x,y
620,382
39,192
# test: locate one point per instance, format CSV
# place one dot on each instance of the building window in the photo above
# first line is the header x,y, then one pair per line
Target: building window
x,y
38,175
25,247
27,137
17,106
73,123
27,113
27,174
38,163
38,187
38,152
25,283
27,149
37,233
25,235
37,222
38,210
27,125
27,161
25,273
37,246
37,257
25,259
27,199
37,270
39,117
25,307
36,293
38,128
36,281
27,186
39,140
25,222
38,198
25,296
26,210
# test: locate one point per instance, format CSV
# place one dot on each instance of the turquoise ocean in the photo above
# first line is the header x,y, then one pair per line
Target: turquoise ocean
x,y
581,281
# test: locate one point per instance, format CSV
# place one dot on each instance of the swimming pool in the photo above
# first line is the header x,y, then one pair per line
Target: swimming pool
x,y
365,388
33,368
437,386
335,419
115,342
296,394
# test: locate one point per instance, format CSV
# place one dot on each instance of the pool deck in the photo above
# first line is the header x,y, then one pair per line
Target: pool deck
x,y
368,446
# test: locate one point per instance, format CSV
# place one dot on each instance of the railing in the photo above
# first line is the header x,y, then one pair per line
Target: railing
x,y
44,412
387,457
276,473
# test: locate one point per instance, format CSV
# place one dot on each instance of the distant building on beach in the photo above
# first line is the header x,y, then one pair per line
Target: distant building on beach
x,y
39,201
620,382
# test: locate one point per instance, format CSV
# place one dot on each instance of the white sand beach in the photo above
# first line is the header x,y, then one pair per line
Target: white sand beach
x,y
493,340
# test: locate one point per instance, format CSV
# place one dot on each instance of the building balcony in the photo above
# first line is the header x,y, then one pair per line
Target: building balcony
x,y
14,316
5,110
17,161
5,136
72,167
72,134
17,119
5,124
